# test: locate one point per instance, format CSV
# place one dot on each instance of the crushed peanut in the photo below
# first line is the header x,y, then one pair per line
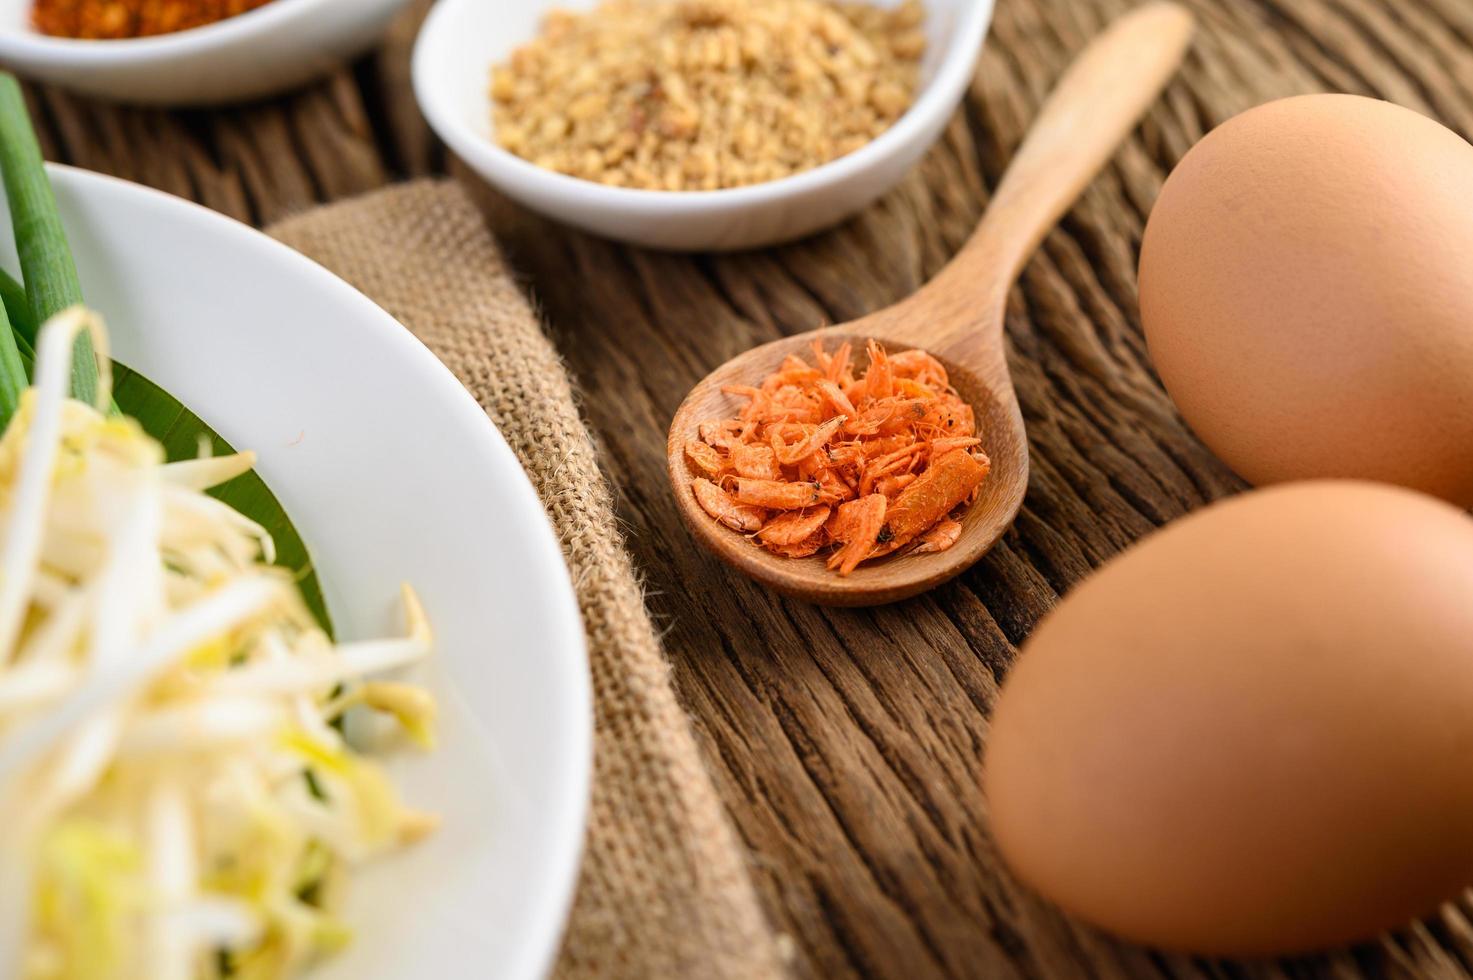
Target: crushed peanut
x,y
706,94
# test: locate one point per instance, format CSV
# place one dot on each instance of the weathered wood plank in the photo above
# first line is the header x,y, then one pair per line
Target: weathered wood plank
x,y
847,744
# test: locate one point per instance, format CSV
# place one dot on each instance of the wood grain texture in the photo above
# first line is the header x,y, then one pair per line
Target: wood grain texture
x,y
847,743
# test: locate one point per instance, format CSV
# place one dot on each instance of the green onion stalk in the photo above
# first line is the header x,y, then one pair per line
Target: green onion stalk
x,y
49,274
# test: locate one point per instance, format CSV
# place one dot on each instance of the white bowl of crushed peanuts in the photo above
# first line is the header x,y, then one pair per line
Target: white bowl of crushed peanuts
x,y
695,125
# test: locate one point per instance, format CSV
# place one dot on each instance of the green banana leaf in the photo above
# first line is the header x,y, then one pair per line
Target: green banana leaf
x,y
180,431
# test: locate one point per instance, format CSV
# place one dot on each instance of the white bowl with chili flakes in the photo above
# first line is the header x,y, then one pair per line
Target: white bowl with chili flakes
x,y
270,49
463,39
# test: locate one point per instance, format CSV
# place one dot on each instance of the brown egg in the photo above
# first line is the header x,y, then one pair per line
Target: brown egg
x,y
1306,286
1253,733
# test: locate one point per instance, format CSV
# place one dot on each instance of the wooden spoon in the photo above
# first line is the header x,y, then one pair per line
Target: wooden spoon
x,y
958,316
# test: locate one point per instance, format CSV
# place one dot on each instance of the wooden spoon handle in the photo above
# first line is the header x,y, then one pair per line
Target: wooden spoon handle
x,y
1091,110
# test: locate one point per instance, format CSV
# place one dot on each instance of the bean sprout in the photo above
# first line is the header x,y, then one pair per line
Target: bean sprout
x,y
179,801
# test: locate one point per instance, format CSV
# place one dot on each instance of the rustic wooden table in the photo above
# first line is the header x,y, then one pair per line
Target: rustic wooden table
x,y
847,743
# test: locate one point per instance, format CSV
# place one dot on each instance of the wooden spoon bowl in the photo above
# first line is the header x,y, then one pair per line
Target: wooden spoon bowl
x,y
958,318
887,580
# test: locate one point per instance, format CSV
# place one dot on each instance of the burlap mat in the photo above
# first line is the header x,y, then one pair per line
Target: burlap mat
x,y
664,891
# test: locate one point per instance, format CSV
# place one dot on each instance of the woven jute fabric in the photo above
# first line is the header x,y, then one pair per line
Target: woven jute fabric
x,y
664,890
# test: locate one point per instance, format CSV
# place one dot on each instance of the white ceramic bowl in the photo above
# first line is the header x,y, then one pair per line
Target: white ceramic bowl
x,y
462,39
258,53
392,473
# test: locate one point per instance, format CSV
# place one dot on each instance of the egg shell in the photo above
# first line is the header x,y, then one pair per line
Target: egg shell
x,y
1306,289
1252,733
